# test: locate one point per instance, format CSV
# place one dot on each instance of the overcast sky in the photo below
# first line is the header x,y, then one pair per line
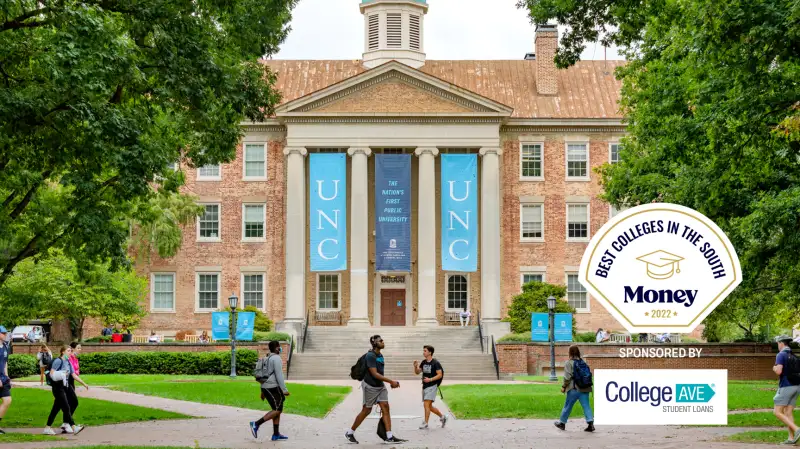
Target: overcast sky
x,y
454,29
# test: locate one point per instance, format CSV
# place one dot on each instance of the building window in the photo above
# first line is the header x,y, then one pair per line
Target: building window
x,y
457,292
393,151
255,161
328,150
576,294
209,173
163,291
531,277
253,220
208,225
253,290
577,221
328,291
208,291
531,162
577,160
613,153
532,218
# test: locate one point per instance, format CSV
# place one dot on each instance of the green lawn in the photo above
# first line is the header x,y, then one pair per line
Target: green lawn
x,y
31,407
134,447
757,419
308,400
506,401
108,380
535,379
751,395
770,437
26,438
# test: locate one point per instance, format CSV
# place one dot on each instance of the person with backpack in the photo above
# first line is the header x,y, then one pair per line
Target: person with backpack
x,y
577,385
269,373
58,375
787,367
432,374
5,381
369,370
44,357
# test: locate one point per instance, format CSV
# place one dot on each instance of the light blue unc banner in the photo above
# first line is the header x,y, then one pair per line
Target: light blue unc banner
x,y
328,217
460,212
220,325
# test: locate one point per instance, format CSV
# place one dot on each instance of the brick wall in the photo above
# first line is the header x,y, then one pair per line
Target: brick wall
x,y
744,361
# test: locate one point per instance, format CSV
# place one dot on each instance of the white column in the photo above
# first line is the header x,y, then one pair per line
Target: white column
x,y
426,239
359,238
490,235
295,239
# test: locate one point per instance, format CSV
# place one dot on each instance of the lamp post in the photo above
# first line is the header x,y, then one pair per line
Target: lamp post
x,y
234,301
551,307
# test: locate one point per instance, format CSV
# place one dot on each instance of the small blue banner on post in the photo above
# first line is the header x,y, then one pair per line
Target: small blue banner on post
x,y
245,322
540,327
459,212
563,327
220,325
328,208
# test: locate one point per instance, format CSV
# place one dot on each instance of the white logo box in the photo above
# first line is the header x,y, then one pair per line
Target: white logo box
x,y
681,397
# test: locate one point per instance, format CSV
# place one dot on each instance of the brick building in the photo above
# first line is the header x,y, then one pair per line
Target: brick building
x,y
536,133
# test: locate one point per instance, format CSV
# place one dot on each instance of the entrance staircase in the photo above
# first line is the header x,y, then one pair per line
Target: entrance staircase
x,y
331,351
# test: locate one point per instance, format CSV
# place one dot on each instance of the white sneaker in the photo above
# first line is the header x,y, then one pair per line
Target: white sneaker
x,y
424,425
443,420
63,430
76,429
48,431
67,429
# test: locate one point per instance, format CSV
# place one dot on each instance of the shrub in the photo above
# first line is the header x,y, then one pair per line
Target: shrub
x,y
100,339
21,365
534,299
585,337
269,336
262,324
516,338
189,363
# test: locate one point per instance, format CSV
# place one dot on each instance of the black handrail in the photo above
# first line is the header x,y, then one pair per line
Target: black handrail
x,y
289,360
305,330
480,332
496,360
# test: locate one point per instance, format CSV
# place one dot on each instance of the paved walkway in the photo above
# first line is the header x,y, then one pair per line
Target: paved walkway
x,y
226,427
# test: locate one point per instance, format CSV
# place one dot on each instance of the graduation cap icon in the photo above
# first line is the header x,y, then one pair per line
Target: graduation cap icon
x,y
661,264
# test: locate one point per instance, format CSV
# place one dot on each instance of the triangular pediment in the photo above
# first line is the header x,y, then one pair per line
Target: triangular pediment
x,y
393,88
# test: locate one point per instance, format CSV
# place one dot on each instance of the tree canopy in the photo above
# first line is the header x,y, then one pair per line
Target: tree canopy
x,y
711,97
98,98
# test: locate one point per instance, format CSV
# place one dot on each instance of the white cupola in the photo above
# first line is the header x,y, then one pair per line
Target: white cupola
x,y
393,30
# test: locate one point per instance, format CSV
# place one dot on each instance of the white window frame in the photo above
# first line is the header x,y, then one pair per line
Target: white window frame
x,y
522,177
566,161
209,178
153,275
566,298
610,144
218,238
541,211
447,276
197,308
244,162
263,287
535,273
254,239
339,291
588,223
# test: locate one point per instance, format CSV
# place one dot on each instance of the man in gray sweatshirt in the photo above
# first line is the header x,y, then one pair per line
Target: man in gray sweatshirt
x,y
274,391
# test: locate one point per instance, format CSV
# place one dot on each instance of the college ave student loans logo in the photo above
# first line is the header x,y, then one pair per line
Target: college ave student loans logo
x,y
660,268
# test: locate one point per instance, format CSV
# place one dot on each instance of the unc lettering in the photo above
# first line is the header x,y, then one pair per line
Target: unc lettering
x,y
452,254
335,190
640,295
321,254
466,191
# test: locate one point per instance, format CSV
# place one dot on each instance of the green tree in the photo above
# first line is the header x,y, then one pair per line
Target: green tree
x,y
534,299
711,99
58,287
99,97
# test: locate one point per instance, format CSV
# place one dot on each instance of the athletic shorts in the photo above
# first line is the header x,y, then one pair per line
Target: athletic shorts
x,y
429,393
373,395
5,392
787,395
275,397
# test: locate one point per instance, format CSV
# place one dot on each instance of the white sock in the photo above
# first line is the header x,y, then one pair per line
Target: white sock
x,y
349,432
389,435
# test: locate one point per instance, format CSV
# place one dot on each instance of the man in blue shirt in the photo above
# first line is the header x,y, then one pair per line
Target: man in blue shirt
x,y
786,398
5,381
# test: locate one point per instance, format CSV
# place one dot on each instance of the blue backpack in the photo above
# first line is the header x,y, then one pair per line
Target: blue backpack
x,y
582,374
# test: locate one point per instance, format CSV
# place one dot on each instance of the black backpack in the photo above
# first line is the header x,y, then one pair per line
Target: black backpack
x,y
792,369
359,370
582,374
47,359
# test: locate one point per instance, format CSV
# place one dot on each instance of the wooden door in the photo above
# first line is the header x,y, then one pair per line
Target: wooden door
x,y
393,307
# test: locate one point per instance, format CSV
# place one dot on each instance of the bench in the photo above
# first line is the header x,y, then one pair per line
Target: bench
x,y
139,339
191,338
451,317
620,338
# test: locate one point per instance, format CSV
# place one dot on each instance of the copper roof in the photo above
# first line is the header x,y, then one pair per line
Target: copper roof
x,y
586,90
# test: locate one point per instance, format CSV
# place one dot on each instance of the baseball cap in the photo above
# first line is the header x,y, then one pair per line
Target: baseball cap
x,y
3,330
781,338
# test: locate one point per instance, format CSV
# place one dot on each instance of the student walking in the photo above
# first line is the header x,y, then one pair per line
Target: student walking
x,y
60,373
787,367
273,389
5,381
72,395
375,392
44,357
577,385
432,374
